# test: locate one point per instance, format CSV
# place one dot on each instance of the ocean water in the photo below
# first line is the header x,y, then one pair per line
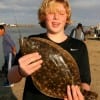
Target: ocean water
x,y
15,33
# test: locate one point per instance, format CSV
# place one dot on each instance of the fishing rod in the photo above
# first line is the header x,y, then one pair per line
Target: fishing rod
x,y
16,22
17,27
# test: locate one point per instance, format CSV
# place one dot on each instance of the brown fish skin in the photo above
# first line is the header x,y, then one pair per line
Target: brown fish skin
x,y
59,69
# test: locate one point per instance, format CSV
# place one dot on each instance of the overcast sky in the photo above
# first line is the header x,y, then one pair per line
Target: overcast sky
x,y
25,11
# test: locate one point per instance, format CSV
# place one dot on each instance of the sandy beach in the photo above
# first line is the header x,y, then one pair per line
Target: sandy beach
x,y
93,45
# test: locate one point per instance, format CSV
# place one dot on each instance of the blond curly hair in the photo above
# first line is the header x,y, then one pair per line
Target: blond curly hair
x,y
43,8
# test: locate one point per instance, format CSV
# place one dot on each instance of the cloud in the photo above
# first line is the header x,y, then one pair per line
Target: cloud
x,y
85,4
85,11
25,11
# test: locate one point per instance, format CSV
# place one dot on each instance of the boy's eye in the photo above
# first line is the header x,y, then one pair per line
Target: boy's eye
x,y
61,13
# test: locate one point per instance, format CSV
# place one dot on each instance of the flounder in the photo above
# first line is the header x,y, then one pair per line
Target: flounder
x,y
58,70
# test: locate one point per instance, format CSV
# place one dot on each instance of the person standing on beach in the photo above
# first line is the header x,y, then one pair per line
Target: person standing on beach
x,y
78,32
55,16
9,49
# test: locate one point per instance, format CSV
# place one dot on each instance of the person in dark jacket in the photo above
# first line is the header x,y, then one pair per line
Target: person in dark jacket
x,y
78,32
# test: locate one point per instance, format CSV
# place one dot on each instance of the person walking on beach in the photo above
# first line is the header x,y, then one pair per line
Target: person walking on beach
x,y
55,16
98,30
9,53
78,32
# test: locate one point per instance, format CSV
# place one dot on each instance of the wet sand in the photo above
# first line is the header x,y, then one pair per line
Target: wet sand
x,y
93,45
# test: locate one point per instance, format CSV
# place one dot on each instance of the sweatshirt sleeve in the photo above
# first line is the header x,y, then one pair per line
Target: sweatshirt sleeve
x,y
84,65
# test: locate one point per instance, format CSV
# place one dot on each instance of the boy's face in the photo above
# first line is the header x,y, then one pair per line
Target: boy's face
x,y
56,17
2,31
